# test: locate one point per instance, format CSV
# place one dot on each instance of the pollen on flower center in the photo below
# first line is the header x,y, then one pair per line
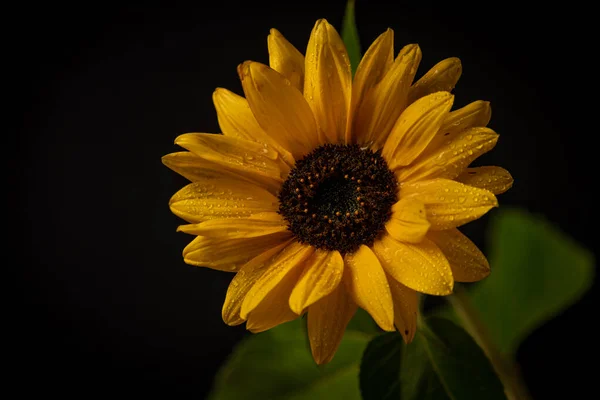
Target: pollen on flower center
x,y
338,197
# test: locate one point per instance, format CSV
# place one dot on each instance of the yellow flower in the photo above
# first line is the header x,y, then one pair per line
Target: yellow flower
x,y
326,193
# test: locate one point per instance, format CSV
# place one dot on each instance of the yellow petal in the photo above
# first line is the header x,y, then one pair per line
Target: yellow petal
x,y
406,305
495,179
213,198
243,281
372,68
238,228
320,277
450,160
383,105
279,108
368,286
236,120
475,114
327,321
441,78
245,157
421,267
229,254
274,309
415,128
409,221
286,59
328,85
195,169
450,204
234,115
467,262
290,259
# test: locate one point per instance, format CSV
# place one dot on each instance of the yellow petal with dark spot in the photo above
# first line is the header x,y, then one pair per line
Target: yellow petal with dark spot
x,y
327,321
286,59
421,267
367,284
415,128
450,204
467,262
495,179
216,198
406,307
322,274
409,221
290,260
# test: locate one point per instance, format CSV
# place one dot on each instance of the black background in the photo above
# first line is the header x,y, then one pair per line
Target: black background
x,y
108,306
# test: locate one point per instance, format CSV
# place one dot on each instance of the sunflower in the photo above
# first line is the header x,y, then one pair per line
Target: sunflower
x,y
325,193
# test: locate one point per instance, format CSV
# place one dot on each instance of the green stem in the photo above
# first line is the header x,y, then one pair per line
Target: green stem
x,y
506,370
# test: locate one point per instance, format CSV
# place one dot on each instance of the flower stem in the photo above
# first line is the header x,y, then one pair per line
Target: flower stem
x,y
506,370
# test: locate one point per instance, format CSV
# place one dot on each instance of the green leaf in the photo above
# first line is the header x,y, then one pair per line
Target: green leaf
x,y
442,362
350,36
380,367
278,365
537,272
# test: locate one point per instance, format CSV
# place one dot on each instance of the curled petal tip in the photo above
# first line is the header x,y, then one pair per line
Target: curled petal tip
x,y
244,69
182,139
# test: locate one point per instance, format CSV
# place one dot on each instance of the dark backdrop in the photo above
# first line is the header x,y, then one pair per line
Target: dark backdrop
x,y
108,305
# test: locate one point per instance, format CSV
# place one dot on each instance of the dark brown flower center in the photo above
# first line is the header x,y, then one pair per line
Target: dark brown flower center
x,y
338,197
